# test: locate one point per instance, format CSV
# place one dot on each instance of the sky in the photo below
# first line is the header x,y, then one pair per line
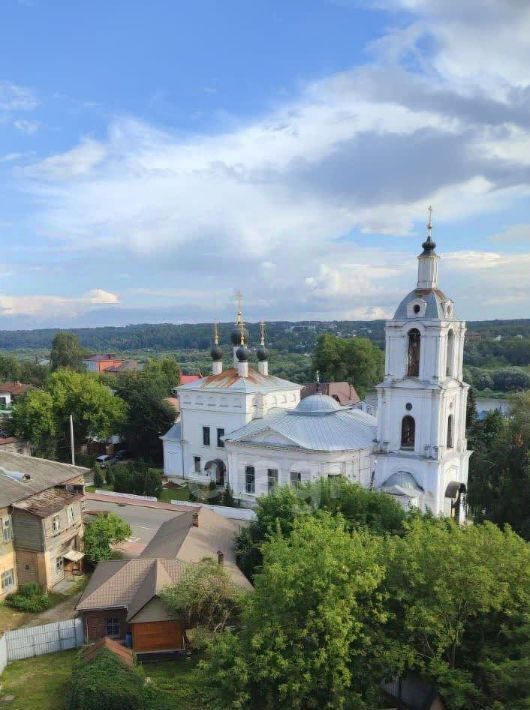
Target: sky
x,y
156,157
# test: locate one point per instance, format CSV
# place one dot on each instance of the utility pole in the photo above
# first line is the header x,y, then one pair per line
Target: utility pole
x,y
72,439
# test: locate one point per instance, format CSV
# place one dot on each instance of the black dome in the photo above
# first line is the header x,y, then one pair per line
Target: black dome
x,y
235,336
242,353
216,352
262,353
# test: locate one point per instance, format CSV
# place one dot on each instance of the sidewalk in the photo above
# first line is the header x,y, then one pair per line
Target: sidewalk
x,y
122,500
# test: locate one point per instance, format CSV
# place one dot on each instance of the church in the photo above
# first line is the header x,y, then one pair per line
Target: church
x,y
245,428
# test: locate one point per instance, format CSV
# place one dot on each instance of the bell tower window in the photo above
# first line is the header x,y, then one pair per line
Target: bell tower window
x,y
413,354
449,369
408,432
450,442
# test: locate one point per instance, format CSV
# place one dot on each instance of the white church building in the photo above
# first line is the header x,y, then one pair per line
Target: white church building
x,y
249,429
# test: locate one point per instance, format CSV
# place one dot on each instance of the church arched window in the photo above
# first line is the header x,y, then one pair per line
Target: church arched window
x,y
450,443
413,354
408,432
450,356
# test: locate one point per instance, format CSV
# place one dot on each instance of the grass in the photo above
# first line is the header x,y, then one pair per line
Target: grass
x,y
167,495
40,682
43,682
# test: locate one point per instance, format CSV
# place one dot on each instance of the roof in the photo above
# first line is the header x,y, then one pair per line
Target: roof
x,y
88,653
317,404
186,379
98,357
119,584
14,388
341,429
343,392
173,434
434,299
231,380
125,365
22,476
131,584
47,502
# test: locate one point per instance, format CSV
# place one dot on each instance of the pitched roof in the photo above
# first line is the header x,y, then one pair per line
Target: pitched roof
x,y
156,579
22,476
343,429
88,653
232,381
102,357
169,537
14,388
47,502
173,434
186,379
343,392
115,584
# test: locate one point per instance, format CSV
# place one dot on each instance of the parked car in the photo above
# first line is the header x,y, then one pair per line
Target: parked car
x,y
104,460
121,454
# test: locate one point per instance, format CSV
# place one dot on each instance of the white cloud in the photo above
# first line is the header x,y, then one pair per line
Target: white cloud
x,y
515,233
16,98
98,295
50,305
27,127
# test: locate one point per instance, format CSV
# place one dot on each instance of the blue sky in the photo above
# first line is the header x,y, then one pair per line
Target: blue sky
x,y
155,157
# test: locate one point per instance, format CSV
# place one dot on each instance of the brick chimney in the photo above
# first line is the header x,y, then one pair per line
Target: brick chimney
x,y
220,557
196,519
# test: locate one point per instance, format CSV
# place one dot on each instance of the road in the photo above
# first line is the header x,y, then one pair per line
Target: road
x,y
144,522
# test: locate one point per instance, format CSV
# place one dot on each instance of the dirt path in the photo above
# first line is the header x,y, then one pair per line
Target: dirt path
x,y
60,612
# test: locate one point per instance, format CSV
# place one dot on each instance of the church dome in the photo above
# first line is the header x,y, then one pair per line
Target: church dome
x,y
404,480
242,353
317,404
216,352
429,304
262,353
235,335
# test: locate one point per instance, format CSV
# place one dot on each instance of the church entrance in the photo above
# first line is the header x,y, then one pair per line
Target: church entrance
x,y
217,467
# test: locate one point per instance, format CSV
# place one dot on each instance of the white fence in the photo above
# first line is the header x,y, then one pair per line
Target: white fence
x,y
224,510
38,640
113,494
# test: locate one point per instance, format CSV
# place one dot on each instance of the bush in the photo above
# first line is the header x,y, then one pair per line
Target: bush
x,y
137,478
98,478
109,476
106,683
29,598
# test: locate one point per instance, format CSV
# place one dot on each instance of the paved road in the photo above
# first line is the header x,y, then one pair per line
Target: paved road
x,y
144,522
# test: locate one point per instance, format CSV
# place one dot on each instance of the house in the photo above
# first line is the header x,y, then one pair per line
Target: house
x,y
125,366
102,362
123,598
41,520
412,693
9,393
12,444
342,392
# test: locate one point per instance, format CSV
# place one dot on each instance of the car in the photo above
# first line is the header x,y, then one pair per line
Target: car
x,y
104,460
121,454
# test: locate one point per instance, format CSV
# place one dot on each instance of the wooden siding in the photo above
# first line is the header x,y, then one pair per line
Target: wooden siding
x,y
157,636
95,623
66,528
28,531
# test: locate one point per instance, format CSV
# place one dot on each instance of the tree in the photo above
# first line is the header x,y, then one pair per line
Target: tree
x,y
136,478
499,471
278,511
165,371
106,530
205,596
306,637
66,352
356,360
149,414
34,419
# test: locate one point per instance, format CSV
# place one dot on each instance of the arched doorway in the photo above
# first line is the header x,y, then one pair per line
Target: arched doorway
x,y
218,466
456,493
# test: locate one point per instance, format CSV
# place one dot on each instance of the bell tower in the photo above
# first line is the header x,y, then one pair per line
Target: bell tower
x,y
421,454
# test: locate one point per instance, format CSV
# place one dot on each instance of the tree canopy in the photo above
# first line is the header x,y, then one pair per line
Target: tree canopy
x,y
105,530
354,360
66,352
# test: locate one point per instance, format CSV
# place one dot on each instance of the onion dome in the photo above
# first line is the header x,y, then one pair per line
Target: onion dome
x,y
216,352
262,353
428,247
242,353
235,335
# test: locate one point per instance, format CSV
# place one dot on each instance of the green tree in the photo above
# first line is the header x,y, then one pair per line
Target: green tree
x,y
136,478
355,360
100,534
205,596
165,371
149,414
308,632
34,419
66,352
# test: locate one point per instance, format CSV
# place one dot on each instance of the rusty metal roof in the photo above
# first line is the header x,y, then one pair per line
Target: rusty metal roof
x,y
231,380
47,502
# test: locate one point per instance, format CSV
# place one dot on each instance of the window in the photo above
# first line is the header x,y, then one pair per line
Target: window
x,y
450,432
220,434
450,356
296,478
56,524
70,514
408,432
8,579
59,565
7,529
112,627
413,358
250,479
197,464
272,478
206,436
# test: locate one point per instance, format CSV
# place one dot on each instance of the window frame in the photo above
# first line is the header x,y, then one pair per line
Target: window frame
x,y
220,442
197,464
56,524
410,446
112,623
70,514
7,527
7,574
250,479
273,476
450,442
413,365
59,565
296,482
206,437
